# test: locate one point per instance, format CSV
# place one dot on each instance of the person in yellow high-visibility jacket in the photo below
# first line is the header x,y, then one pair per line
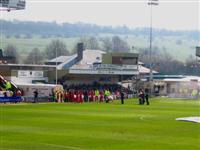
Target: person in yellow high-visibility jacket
x,y
8,85
107,94
96,94
194,93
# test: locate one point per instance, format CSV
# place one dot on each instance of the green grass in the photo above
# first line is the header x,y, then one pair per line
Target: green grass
x,y
100,126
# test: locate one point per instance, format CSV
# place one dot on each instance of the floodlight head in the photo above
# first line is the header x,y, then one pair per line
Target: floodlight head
x,y
153,2
8,5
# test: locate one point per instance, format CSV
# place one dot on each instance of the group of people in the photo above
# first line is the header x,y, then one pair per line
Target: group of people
x,y
79,96
79,93
93,93
143,96
96,95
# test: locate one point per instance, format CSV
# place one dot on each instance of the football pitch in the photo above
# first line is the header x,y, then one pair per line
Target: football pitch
x,y
100,126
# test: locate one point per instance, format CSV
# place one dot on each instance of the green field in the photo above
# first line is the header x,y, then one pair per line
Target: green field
x,y
100,126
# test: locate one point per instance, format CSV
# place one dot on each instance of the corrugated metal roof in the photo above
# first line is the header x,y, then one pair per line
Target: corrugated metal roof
x,y
89,57
27,65
61,59
70,58
185,79
144,70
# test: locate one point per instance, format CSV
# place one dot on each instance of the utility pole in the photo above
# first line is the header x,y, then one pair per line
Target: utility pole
x,y
56,66
151,3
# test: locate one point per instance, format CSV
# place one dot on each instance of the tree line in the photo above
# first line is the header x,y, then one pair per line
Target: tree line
x,y
59,48
163,62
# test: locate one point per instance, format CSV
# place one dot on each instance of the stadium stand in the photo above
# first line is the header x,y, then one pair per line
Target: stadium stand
x,y
9,92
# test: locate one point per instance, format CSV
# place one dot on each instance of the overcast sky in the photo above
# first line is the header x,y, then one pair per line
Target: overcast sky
x,y
170,14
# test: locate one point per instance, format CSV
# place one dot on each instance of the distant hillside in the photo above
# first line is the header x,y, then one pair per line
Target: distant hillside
x,y
27,35
81,29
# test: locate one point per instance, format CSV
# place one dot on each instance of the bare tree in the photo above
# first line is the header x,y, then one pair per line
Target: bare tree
x,y
107,44
192,66
11,50
35,57
56,46
90,42
119,45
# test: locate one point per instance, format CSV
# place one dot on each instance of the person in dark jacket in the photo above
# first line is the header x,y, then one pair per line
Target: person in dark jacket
x,y
141,97
85,96
35,96
147,96
122,97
